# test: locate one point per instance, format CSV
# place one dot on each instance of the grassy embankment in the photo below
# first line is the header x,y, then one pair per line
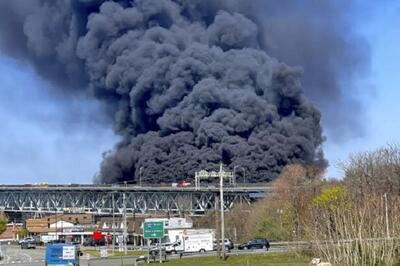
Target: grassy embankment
x,y
96,253
277,259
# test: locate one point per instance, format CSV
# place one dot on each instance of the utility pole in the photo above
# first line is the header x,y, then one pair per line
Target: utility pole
x,y
113,224
217,235
221,199
56,227
125,229
213,174
62,225
386,216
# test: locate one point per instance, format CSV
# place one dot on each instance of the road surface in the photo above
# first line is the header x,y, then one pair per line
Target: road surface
x,y
15,256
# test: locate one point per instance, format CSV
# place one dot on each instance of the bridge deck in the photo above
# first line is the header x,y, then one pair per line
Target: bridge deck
x,y
106,199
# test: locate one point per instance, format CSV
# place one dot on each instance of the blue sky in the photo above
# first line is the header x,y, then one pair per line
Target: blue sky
x,y
60,139
46,137
380,90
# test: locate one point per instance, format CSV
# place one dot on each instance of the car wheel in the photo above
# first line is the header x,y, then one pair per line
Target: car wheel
x,y
202,250
264,247
174,251
245,248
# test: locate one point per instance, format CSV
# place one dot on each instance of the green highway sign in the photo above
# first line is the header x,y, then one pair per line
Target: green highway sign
x,y
153,229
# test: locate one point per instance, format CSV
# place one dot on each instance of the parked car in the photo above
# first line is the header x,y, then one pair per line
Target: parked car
x,y
90,242
255,244
36,240
28,244
26,239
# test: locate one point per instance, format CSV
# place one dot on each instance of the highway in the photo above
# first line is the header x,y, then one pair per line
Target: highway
x,y
35,257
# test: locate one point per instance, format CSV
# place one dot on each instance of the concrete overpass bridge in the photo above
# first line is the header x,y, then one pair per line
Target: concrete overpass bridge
x,y
108,199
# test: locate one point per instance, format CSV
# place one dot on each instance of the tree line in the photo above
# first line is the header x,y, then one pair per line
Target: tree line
x,y
352,221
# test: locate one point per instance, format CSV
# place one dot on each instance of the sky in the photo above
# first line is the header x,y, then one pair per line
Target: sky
x,y
379,90
47,137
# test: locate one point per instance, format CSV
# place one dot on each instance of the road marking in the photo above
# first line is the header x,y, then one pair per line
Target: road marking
x,y
29,257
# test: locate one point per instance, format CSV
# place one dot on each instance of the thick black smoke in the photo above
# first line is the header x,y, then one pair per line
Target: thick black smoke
x,y
190,83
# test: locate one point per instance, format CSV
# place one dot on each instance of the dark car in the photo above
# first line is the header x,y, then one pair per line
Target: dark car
x,y
255,244
90,242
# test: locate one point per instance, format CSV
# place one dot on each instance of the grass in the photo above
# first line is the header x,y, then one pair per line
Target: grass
x,y
276,259
96,253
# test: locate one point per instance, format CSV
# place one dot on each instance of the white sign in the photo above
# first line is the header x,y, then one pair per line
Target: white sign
x,y
103,252
211,174
120,240
68,253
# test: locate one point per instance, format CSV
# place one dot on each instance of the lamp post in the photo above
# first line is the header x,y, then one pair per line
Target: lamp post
x,y
140,175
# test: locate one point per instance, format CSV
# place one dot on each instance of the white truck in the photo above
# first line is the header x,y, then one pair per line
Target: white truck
x,y
190,240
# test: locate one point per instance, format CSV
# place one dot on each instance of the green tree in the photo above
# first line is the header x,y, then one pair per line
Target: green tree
x,y
331,198
3,225
23,232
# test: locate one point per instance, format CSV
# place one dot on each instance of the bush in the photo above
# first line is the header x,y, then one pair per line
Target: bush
x,y
3,226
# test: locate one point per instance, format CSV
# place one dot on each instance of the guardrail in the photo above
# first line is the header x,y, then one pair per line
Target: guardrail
x,y
116,261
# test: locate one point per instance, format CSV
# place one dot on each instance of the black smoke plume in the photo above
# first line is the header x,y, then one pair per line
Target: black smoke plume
x,y
192,83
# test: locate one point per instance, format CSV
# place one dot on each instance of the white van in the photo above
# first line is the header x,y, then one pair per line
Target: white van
x,y
190,240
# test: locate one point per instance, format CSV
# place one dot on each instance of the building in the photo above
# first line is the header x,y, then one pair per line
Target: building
x,y
79,227
11,232
71,227
58,222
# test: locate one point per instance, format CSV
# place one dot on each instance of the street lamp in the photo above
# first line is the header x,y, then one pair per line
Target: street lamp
x,y
140,175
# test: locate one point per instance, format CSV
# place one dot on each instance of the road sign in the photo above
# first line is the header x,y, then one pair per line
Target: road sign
x,y
68,253
61,254
153,229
